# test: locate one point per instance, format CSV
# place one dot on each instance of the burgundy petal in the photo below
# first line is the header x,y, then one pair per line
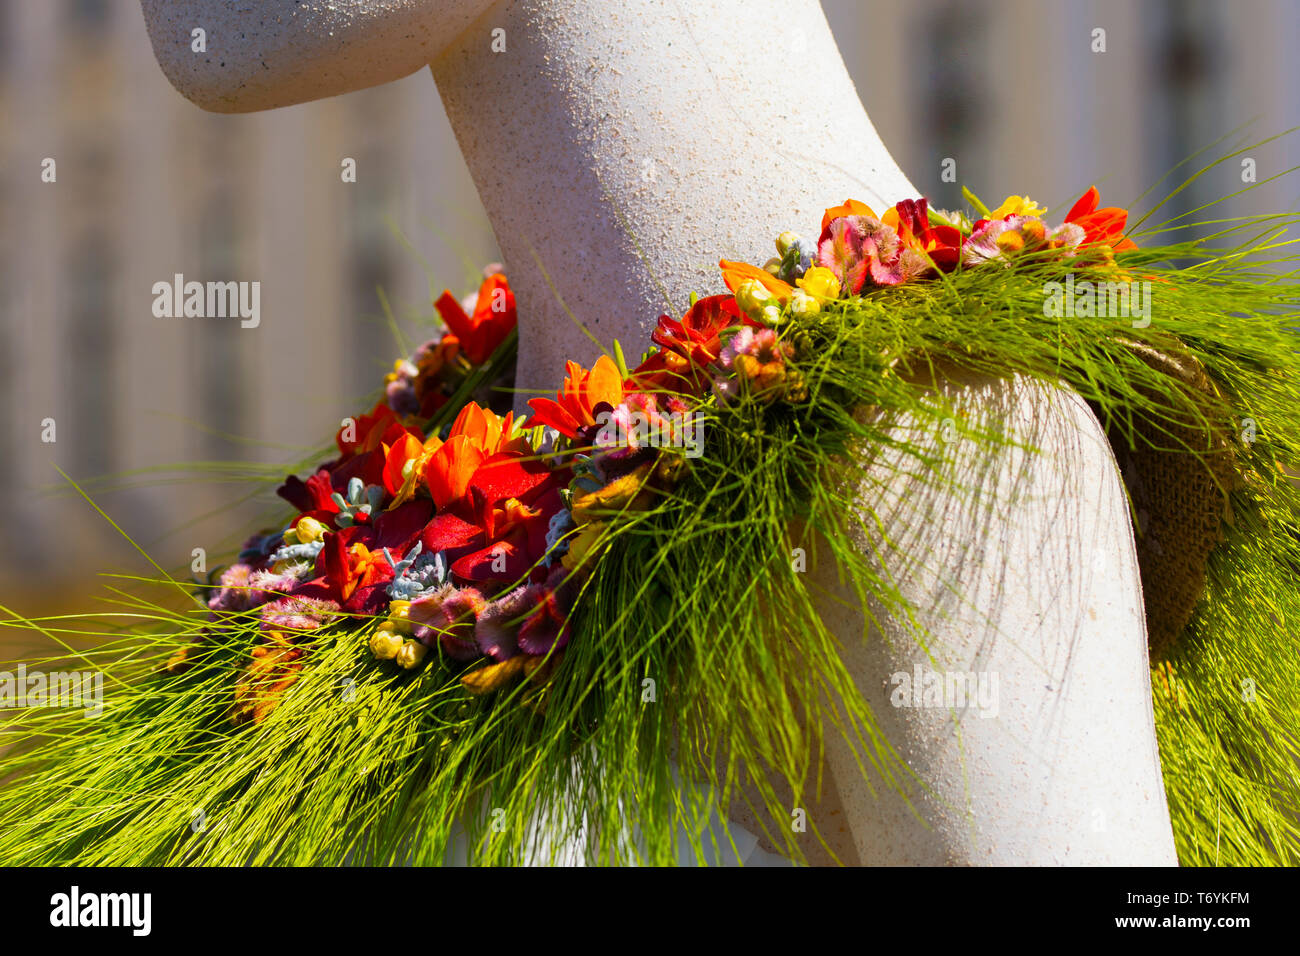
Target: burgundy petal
x,y
399,528
451,533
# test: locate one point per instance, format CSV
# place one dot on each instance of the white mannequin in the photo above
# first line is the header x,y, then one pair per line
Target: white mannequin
x,y
620,151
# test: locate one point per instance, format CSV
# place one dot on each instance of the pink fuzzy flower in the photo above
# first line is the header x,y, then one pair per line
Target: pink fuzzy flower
x,y
299,614
448,617
858,249
234,594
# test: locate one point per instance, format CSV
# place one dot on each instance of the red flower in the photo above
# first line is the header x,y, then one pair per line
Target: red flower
x,y
697,336
578,400
688,346
1100,226
367,432
352,568
942,244
514,532
493,319
666,371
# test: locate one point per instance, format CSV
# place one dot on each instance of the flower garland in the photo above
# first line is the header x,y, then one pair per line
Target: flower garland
x,y
452,560
474,540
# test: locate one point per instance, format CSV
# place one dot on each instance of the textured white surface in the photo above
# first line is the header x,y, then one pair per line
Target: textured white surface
x,y
621,150
1028,579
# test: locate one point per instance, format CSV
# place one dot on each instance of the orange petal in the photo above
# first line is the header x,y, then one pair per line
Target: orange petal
x,y
549,412
1104,224
1087,203
571,394
734,273
851,207
469,423
494,432
458,323
487,291
450,468
603,384
405,449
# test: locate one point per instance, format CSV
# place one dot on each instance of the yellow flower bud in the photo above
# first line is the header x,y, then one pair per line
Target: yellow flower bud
x,y
785,241
385,644
411,654
772,266
399,614
752,295
803,305
820,283
307,530
757,302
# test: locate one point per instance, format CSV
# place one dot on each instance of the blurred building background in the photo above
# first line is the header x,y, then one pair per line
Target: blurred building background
x,y
148,186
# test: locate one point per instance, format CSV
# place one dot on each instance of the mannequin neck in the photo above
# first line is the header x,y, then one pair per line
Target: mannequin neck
x,y
621,149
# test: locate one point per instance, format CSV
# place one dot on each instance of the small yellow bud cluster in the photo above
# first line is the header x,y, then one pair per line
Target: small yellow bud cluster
x,y
803,305
758,303
399,617
391,643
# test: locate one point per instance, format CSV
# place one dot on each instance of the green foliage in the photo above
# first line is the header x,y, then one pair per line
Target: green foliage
x,y
362,763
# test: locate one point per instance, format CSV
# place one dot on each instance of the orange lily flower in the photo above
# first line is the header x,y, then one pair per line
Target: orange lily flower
x,y
1100,226
476,435
404,466
493,319
583,390
482,426
407,448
